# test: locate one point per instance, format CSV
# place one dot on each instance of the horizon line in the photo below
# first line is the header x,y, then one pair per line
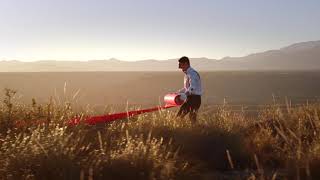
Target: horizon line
x,y
153,59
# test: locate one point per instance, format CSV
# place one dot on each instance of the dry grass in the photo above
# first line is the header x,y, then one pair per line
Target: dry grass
x,y
279,143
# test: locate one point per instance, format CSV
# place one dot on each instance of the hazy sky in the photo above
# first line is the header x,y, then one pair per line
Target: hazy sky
x,y
152,29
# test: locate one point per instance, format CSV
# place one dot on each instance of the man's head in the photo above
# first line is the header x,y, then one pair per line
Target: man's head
x,y
184,63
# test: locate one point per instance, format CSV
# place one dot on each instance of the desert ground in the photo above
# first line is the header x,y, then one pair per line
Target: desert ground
x,y
120,89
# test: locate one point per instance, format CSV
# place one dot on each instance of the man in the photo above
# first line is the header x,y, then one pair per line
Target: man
x,y
192,89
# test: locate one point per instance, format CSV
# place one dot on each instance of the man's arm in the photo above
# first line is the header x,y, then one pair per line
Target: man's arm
x,y
182,90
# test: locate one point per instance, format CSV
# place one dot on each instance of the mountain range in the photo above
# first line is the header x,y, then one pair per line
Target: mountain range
x,y
299,56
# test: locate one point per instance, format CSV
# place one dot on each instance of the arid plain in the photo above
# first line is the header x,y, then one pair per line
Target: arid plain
x,y
120,89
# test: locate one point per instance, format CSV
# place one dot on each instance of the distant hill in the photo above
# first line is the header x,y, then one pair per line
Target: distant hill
x,y
299,56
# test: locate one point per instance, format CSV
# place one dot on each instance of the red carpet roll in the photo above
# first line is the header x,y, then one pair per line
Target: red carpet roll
x,y
171,100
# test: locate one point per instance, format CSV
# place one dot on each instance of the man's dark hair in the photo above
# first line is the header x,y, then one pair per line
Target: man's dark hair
x,y
184,59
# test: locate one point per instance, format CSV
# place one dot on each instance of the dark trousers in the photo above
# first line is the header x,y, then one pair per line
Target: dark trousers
x,y
191,106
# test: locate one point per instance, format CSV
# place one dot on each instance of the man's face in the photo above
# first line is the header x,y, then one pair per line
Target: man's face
x,y
183,66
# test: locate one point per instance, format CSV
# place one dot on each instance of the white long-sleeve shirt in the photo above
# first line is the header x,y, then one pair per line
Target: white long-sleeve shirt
x,y
192,83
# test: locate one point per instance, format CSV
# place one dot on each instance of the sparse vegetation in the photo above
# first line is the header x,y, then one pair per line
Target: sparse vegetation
x,y
279,143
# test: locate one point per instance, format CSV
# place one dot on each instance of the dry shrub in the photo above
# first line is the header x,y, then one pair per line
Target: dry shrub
x,y
279,143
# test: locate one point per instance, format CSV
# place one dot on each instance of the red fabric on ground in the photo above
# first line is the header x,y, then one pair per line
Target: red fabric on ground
x,y
172,100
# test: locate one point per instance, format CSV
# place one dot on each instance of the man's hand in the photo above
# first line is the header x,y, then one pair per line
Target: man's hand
x,y
183,96
187,93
